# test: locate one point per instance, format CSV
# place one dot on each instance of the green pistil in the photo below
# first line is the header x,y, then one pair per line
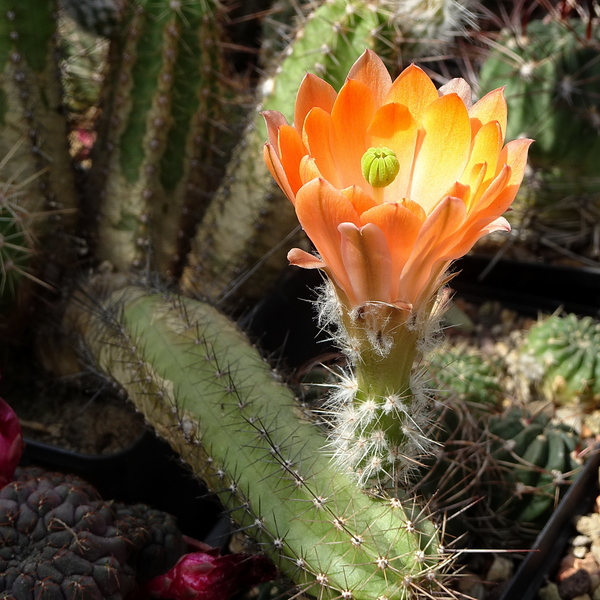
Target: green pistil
x,y
379,166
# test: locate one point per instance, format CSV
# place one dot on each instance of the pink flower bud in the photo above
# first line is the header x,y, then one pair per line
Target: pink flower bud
x,y
202,576
11,443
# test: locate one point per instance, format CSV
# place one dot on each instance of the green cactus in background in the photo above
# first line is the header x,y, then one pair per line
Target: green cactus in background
x,y
552,77
38,201
209,393
560,357
507,471
465,375
164,105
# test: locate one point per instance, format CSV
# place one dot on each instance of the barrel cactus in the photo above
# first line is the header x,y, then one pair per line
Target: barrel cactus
x,y
465,374
507,471
559,357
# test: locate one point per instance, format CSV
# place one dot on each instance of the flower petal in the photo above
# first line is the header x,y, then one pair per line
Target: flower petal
x,y
313,92
414,89
401,228
485,148
274,120
367,260
321,208
291,151
497,198
433,242
370,70
474,234
352,112
359,199
308,169
393,127
300,258
444,152
492,107
279,175
316,134
459,87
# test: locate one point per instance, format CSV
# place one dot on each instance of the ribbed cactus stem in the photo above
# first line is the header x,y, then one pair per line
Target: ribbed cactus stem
x,y
163,105
207,391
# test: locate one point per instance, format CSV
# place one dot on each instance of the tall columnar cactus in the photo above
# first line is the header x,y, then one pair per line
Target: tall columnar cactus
x,y
38,199
207,391
163,110
249,222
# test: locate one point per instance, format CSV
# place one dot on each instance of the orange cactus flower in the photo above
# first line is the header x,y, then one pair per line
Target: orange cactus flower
x,y
393,180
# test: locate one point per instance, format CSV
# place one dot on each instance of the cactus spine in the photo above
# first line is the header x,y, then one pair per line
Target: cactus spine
x,y
209,393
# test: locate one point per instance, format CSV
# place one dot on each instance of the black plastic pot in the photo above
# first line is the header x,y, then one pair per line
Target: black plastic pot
x,y
529,287
543,559
148,471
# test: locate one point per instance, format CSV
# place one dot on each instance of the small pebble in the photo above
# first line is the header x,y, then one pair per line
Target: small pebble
x,y
581,540
501,570
580,551
550,592
589,525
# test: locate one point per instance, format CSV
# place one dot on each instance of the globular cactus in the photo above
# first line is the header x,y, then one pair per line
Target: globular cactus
x,y
559,357
538,454
60,540
163,106
506,471
466,375
240,244
210,394
38,200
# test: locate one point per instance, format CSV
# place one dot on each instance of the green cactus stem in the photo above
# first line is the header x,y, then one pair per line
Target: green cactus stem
x,y
209,393
38,198
157,142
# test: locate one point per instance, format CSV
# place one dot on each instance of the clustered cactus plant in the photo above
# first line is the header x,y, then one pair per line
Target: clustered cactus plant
x,y
162,198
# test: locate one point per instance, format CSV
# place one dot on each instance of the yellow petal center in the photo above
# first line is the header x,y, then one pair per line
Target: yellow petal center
x,y
379,166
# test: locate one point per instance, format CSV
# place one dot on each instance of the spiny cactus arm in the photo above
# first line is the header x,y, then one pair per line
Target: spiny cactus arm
x,y
39,196
210,394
